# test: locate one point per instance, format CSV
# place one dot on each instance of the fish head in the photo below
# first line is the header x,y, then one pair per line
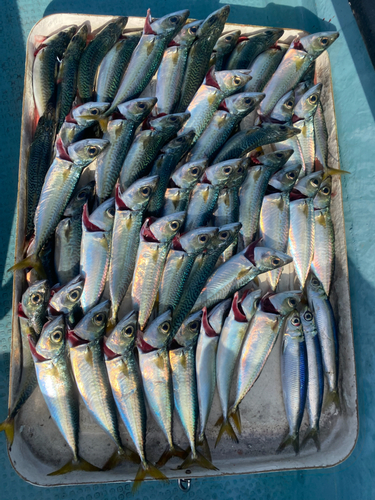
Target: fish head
x,y
80,37
166,228
266,37
179,145
137,196
35,299
170,123
299,91
137,110
123,336
226,235
120,22
232,80
275,160
221,173
197,240
84,152
250,302
214,23
51,342
188,33
227,41
188,332
267,258
242,104
281,303
281,132
89,113
188,175
158,331
92,326
103,217
322,198
309,184
317,43
285,179
293,329
283,110
170,24
314,288
67,298
308,103
82,196
307,318
216,317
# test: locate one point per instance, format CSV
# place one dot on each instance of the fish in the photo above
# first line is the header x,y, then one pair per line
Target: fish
x,y
148,55
274,217
224,46
39,161
253,189
120,133
95,253
208,340
200,54
113,66
283,111
179,262
155,241
93,55
258,344
163,167
172,68
303,119
223,123
127,391
67,300
68,235
34,304
320,138
231,339
315,383
58,390
245,141
130,208
157,380
147,145
60,182
47,55
249,46
216,86
182,361
325,322
323,263
294,375
90,375
264,66
300,55
68,74
237,272
205,194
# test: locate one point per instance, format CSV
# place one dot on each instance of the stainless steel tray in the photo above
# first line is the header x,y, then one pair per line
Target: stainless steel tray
x,y
39,448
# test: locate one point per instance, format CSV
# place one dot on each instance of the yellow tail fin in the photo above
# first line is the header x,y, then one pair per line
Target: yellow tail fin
x,y
8,427
147,470
31,261
226,426
289,440
197,459
234,413
71,466
202,441
119,456
333,171
103,123
314,435
169,452
332,397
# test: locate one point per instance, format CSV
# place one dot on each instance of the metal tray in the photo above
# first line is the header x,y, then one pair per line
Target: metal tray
x,y
39,448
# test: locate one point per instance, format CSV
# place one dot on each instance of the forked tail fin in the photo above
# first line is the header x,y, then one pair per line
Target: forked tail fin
x,y
197,459
333,171
203,443
169,452
8,427
31,261
289,439
147,470
226,426
119,456
80,464
314,435
234,414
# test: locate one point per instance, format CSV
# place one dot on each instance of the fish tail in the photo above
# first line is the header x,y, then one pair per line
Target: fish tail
x,y
197,459
332,397
169,452
112,321
333,171
226,426
33,261
202,441
290,439
119,456
144,470
103,122
8,427
234,413
314,435
72,465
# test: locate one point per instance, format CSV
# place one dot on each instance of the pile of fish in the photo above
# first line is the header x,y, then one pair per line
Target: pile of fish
x,y
168,197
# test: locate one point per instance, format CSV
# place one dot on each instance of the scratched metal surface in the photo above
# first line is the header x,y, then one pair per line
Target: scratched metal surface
x,y
355,104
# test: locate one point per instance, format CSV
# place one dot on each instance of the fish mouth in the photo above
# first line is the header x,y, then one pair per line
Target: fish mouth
x,y
90,227
62,152
74,340
119,201
146,232
176,243
266,305
38,358
144,346
296,118
108,352
223,106
205,179
20,311
296,195
146,124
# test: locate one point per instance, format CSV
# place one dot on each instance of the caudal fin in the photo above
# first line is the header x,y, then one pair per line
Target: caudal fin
x,y
226,426
203,443
314,435
333,171
80,464
31,261
289,440
120,456
332,397
197,459
234,414
169,452
8,427
147,470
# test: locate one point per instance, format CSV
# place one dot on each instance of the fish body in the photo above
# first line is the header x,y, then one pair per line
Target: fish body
x,y
68,236
264,66
320,137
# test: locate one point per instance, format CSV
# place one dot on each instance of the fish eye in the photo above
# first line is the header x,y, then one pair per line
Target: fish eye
x,y
223,235
141,105
129,330
248,100
292,302
313,99
74,38
308,316
36,298
283,127
279,155
315,282
324,40
268,32
179,139
227,170
256,303
92,150
99,319
290,175
94,111
237,80
193,29
194,326
57,336
276,261
289,104
172,118
165,327
146,191
314,182
111,212
81,195
174,19
174,225
74,295
203,238
296,321
194,171
326,190
228,38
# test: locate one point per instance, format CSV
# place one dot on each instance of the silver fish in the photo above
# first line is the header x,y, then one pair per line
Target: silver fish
x,y
223,47
67,300
264,67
